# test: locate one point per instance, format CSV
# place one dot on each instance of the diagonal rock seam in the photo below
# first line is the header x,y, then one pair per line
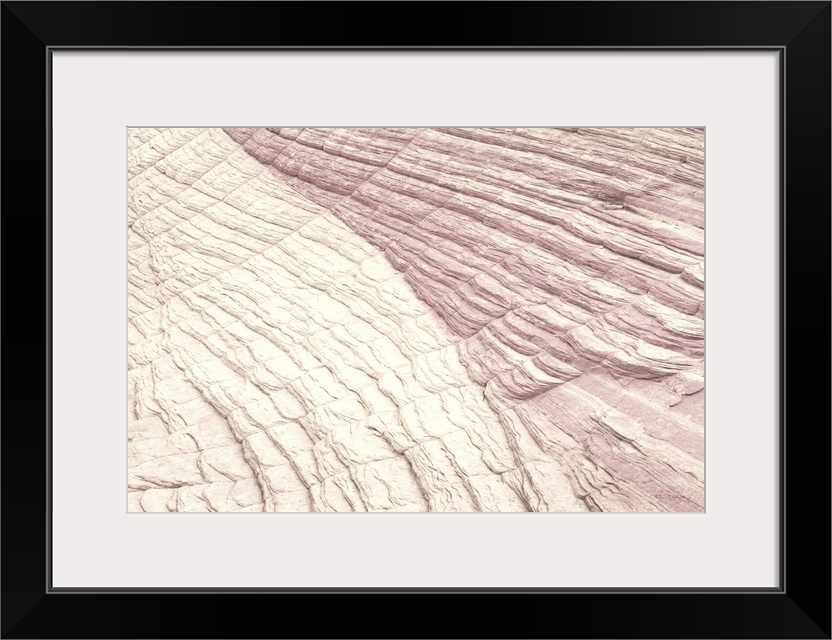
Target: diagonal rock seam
x,y
548,351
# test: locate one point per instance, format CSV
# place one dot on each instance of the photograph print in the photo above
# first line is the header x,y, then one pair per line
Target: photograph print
x,y
415,320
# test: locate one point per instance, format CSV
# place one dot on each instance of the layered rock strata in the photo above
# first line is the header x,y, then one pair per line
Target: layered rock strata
x,y
416,320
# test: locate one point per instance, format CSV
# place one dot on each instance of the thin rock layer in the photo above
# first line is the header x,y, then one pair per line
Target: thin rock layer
x,y
417,319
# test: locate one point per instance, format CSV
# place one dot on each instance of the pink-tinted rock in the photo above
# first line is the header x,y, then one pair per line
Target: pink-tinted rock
x,y
569,264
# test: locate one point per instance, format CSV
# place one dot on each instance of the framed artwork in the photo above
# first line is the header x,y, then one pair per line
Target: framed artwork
x,y
495,310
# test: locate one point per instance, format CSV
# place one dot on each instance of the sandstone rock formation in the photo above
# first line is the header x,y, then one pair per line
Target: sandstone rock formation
x,y
416,320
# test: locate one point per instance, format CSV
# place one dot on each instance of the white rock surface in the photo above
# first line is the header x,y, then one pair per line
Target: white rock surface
x,y
278,362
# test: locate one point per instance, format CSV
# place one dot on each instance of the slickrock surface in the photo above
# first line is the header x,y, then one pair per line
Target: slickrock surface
x,y
416,320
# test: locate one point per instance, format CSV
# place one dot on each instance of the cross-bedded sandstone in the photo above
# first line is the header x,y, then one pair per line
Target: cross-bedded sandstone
x,y
416,319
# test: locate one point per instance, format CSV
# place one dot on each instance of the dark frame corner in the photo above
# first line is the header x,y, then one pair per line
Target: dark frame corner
x,y
800,31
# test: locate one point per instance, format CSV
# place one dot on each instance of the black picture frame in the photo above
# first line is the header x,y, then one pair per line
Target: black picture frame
x,y
798,608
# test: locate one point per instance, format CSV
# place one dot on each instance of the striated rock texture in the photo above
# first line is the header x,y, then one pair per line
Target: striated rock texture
x,y
416,320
